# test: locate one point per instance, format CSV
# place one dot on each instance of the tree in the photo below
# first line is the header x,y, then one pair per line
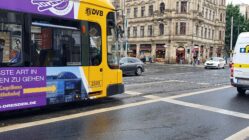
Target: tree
x,y
240,25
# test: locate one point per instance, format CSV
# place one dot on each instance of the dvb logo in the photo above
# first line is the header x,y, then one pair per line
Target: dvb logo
x,y
91,11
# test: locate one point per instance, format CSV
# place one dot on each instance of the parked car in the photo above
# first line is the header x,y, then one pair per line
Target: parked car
x,y
215,62
130,65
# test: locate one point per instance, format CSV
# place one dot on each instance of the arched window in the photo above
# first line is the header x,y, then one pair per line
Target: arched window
x,y
161,29
162,8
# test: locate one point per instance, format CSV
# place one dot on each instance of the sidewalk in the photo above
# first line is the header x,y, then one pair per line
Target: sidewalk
x,y
184,65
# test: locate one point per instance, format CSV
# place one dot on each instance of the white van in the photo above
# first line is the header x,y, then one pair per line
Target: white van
x,y
240,64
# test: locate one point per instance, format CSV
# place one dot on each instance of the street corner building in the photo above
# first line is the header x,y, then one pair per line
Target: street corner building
x,y
174,31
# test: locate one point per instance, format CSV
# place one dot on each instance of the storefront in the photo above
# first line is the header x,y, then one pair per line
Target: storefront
x,y
180,55
219,50
145,52
132,51
160,52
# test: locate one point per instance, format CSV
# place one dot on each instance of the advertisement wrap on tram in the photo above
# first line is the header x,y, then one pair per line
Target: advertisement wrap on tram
x,y
36,86
33,87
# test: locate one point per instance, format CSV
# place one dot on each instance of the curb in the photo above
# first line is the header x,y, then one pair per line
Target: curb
x,y
184,65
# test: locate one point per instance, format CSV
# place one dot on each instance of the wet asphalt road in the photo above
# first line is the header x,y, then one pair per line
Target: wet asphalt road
x,y
149,110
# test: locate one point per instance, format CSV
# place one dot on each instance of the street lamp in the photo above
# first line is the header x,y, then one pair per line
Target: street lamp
x,y
125,24
124,30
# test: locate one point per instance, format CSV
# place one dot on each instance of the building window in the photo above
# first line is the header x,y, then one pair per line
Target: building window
x,y
212,34
161,29
210,15
183,28
134,31
143,11
177,7
150,30
205,34
129,32
221,17
202,32
213,15
128,12
184,5
206,15
142,31
209,33
220,35
177,28
135,12
151,10
197,30
162,8
203,11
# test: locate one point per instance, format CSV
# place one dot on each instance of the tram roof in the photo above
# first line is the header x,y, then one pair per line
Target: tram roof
x,y
59,8
101,3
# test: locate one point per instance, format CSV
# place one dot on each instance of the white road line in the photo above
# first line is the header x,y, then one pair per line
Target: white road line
x,y
167,81
152,83
153,99
132,93
185,73
203,83
73,116
198,92
208,108
241,135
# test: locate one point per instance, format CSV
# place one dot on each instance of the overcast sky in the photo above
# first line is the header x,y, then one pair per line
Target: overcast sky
x,y
238,1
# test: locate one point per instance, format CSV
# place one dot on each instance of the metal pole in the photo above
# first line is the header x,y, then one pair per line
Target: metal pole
x,y
239,26
231,39
125,29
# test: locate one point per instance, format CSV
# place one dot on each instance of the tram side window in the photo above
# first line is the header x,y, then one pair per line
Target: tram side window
x,y
95,51
56,46
10,38
112,43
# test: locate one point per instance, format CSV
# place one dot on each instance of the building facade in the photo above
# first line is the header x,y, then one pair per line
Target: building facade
x,y
174,31
244,10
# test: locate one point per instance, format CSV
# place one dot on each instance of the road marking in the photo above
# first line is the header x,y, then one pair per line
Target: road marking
x,y
184,73
152,83
168,81
132,93
74,116
203,83
241,135
153,99
207,108
198,92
